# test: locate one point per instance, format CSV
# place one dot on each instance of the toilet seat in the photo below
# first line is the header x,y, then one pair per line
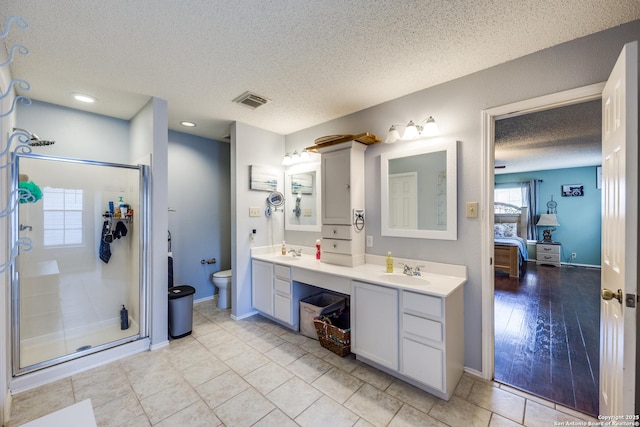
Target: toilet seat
x,y
225,274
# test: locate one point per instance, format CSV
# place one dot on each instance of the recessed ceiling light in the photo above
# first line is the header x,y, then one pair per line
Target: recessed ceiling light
x,y
188,124
82,97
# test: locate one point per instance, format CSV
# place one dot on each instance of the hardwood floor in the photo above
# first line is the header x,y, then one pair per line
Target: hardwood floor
x,y
547,334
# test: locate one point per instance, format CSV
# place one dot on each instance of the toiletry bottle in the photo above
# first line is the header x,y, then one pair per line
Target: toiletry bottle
x,y
123,207
318,249
389,263
124,318
284,248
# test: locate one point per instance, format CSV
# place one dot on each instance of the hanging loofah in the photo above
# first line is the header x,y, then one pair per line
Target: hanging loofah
x,y
36,193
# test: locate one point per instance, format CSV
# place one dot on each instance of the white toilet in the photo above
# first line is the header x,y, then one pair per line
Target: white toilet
x,y
222,280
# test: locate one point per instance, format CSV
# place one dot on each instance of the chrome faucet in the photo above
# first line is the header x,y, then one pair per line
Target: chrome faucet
x,y
412,271
295,253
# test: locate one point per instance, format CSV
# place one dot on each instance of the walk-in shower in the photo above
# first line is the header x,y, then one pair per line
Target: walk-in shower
x,y
86,261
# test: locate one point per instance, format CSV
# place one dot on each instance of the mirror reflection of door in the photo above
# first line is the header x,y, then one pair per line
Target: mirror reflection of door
x,y
403,201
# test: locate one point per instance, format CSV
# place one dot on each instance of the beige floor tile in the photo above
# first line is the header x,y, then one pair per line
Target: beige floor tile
x,y
33,404
527,396
213,340
245,409
186,354
268,377
372,376
374,405
118,411
314,347
247,362
408,416
285,354
104,391
577,414
537,415
458,412
221,388
273,328
96,376
497,400
265,342
159,377
347,363
204,328
294,338
417,398
276,418
326,412
363,423
338,384
309,367
139,421
294,396
500,421
196,415
169,401
464,386
204,370
229,349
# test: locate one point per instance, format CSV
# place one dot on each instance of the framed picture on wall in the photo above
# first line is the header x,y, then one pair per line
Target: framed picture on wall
x,y
572,190
599,177
262,178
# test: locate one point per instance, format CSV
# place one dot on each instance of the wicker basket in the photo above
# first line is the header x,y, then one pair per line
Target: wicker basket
x,y
333,334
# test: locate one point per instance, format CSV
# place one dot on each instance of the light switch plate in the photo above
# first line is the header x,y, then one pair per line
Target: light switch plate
x,y
472,209
254,211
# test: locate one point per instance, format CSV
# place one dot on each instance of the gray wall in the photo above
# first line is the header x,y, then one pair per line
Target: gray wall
x,y
457,107
200,203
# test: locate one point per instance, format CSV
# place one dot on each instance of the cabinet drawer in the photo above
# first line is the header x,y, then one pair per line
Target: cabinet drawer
x,y
548,249
421,327
422,304
282,286
423,363
337,232
282,271
336,246
282,308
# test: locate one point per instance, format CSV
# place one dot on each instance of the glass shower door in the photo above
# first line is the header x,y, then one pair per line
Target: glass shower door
x,y
85,264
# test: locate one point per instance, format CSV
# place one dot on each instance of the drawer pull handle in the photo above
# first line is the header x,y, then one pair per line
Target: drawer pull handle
x,y
335,231
335,246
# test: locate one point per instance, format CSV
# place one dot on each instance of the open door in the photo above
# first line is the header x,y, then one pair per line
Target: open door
x,y
619,236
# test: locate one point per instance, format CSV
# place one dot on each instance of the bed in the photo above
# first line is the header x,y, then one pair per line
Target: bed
x,y
510,239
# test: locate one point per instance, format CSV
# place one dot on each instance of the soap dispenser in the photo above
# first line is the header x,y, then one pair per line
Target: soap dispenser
x,y
284,248
124,318
389,263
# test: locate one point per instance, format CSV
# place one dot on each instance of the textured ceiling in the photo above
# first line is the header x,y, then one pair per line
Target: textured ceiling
x,y
314,60
569,136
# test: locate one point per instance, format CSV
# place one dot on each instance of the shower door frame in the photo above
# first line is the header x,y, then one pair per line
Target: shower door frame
x,y
144,183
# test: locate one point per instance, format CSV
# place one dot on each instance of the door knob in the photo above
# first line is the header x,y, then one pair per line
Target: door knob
x,y
608,294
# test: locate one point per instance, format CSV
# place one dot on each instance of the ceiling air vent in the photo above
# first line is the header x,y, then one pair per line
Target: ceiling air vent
x,y
251,100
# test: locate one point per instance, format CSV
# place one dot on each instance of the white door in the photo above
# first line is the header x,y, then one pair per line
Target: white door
x,y
619,236
403,200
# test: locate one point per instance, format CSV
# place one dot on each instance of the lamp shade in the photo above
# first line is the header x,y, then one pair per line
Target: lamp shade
x,y
411,131
392,136
548,220
431,127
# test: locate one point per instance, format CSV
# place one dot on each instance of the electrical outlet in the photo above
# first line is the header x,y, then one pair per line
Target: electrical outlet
x,y
573,255
472,209
307,212
253,211
358,216
369,241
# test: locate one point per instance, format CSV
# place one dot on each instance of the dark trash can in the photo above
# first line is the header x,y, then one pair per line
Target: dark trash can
x,y
180,310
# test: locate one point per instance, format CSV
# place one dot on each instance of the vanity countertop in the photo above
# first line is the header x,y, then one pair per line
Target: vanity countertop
x,y
436,278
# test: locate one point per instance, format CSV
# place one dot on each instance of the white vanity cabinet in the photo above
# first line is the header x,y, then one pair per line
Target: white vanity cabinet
x,y
275,294
374,323
262,286
414,336
342,180
432,340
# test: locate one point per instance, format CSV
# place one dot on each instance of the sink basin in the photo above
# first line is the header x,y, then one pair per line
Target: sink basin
x,y
286,258
403,279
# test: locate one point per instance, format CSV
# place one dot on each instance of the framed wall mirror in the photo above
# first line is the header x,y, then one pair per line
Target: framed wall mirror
x,y
419,192
303,197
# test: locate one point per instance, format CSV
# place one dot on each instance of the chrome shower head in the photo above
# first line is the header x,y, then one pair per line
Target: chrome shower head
x,y
35,140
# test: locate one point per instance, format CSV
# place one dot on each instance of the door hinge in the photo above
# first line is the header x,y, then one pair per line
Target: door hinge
x,y
630,300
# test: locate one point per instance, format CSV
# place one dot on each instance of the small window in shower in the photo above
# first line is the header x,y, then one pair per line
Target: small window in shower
x,y
62,210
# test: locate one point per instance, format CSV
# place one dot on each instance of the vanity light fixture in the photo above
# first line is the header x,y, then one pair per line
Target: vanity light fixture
x,y
295,158
428,128
188,124
83,97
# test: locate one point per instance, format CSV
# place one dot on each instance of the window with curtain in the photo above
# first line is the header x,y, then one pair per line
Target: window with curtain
x,y
509,194
62,215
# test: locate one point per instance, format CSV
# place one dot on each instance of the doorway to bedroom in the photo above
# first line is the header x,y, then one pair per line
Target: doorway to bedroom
x,y
546,288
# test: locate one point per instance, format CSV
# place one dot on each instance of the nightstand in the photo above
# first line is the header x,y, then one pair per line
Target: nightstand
x,y
548,253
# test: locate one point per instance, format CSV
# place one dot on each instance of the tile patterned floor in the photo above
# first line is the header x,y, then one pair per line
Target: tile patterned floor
x,y
256,373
